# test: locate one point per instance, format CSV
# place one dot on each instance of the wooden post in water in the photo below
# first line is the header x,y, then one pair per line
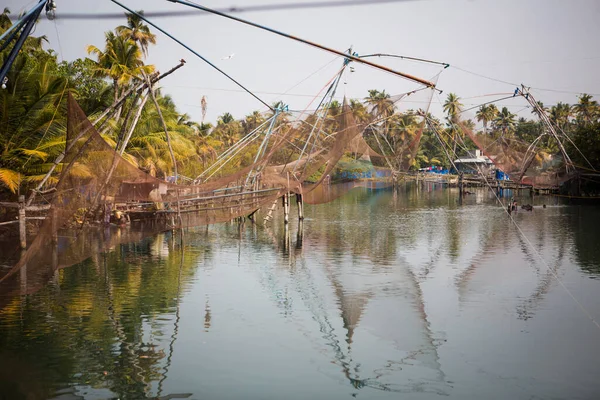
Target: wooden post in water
x,y
460,187
22,223
270,213
300,206
300,235
286,208
54,222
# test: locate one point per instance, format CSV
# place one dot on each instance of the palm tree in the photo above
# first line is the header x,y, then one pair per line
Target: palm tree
x,y
252,121
137,31
227,129
359,111
541,107
586,109
452,106
121,61
560,114
5,21
206,148
381,103
149,147
505,121
32,117
486,113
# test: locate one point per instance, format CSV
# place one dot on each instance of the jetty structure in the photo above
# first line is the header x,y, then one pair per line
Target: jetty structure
x,y
291,154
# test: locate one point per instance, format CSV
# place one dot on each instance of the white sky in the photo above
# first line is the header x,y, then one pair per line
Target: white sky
x,y
550,44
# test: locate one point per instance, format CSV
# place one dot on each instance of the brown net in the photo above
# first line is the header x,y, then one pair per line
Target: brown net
x,y
102,200
523,162
529,157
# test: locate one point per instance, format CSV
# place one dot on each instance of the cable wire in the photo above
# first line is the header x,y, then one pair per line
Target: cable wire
x,y
141,16
350,57
238,9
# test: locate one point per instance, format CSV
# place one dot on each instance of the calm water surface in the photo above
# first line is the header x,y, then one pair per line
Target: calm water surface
x,y
379,295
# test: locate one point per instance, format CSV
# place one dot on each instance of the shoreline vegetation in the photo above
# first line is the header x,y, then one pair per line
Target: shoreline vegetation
x,y
33,118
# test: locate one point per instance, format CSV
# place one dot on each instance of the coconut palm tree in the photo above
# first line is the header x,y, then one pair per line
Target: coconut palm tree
x,y
541,107
206,148
560,114
121,61
5,21
381,103
149,148
137,31
486,114
359,111
505,122
452,107
252,121
32,117
227,129
586,109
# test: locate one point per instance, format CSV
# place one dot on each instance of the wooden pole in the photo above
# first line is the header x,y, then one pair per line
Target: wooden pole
x,y
54,222
300,235
286,211
460,187
173,160
300,206
22,223
54,216
270,213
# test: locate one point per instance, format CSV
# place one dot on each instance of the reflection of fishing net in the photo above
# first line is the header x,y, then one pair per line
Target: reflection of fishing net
x,y
97,187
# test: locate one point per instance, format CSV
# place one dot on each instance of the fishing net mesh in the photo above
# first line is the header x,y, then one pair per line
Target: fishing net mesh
x,y
96,184
525,160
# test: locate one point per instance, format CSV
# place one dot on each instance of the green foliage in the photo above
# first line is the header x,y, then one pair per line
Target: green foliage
x,y
586,138
33,119
91,92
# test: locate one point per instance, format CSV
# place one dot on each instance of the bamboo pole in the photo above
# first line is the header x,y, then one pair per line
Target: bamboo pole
x,y
22,223
134,123
173,160
286,213
300,204
269,215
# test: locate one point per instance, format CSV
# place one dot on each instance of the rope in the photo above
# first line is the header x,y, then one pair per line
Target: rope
x,y
192,51
237,9
312,44
484,76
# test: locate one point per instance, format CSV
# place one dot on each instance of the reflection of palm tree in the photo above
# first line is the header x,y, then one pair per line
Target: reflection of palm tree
x,y
175,325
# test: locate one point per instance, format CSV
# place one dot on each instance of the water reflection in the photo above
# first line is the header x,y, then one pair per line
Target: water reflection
x,y
380,292
91,324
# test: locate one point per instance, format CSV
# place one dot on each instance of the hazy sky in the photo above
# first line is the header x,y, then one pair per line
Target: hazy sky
x,y
548,44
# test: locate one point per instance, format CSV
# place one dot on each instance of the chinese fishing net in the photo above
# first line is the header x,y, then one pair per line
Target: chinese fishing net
x,y
96,184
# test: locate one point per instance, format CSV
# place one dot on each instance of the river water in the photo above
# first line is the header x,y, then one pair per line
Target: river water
x,y
380,294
